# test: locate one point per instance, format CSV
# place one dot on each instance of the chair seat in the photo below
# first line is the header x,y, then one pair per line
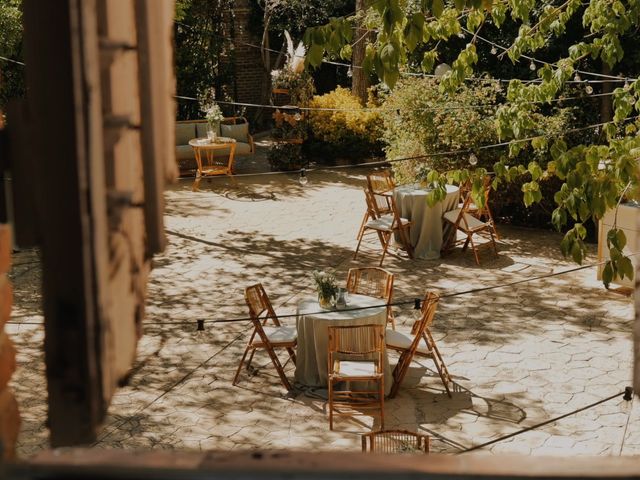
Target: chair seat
x,y
278,335
346,369
473,222
384,223
400,341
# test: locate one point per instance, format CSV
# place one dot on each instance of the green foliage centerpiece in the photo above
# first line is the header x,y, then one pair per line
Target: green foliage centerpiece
x,y
326,286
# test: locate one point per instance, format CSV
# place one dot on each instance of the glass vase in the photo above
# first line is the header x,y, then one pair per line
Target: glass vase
x,y
325,302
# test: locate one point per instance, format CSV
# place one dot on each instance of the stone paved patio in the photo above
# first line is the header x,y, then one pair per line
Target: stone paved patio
x,y
519,355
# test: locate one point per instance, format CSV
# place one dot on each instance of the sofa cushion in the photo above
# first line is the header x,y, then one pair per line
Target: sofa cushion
x,y
184,152
184,133
202,127
242,148
240,131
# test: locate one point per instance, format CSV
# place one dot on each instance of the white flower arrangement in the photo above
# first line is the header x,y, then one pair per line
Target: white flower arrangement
x,y
214,113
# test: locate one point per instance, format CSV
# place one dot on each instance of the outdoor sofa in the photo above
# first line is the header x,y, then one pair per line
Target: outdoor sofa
x,y
233,127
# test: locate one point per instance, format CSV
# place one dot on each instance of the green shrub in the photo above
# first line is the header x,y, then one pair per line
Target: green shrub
x,y
419,120
352,130
285,156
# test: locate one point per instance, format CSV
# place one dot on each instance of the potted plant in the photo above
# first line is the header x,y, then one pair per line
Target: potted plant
x,y
326,287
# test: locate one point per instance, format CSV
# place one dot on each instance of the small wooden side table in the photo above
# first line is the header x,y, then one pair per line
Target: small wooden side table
x,y
214,165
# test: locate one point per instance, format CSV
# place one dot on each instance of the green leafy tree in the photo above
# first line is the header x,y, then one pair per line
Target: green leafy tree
x,y
594,174
203,54
11,73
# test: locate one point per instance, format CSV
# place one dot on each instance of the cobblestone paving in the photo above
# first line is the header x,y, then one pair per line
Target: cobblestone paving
x,y
520,355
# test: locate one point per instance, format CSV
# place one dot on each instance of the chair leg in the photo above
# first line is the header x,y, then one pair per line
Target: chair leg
x,y
292,354
235,379
391,318
365,219
381,394
387,237
450,240
475,250
330,404
278,365
406,240
438,361
355,255
399,373
251,358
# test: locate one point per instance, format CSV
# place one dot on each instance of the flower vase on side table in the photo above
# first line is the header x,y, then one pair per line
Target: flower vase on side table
x,y
212,133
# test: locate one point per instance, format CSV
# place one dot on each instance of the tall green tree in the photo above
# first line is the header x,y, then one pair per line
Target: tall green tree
x,y
11,73
203,52
594,175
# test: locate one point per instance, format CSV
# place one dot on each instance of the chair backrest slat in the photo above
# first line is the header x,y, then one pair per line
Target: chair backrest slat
x,y
395,441
371,281
380,181
260,308
428,311
356,341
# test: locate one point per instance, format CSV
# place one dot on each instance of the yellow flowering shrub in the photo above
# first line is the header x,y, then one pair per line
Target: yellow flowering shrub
x,y
350,128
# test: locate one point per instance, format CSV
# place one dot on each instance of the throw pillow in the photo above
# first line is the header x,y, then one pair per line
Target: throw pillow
x,y
240,132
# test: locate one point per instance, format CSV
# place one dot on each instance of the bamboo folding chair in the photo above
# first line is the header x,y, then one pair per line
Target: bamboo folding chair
x,y
381,181
385,225
482,213
422,344
267,337
374,282
355,354
460,219
381,184
395,441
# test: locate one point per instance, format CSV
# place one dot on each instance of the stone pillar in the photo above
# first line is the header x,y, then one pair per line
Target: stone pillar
x,y
9,415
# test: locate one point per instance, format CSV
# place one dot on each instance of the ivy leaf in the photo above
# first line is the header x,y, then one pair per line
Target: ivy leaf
x,y
607,274
315,54
437,8
576,253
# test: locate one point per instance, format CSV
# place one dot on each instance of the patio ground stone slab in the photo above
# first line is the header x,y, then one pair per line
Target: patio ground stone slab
x,y
519,356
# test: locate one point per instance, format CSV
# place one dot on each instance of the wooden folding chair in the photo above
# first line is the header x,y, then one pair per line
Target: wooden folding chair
x,y
381,181
356,354
395,441
266,337
422,344
385,225
460,219
480,212
374,282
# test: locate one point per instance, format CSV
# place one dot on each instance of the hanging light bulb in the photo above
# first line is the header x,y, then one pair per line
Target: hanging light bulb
x,y
350,72
303,179
627,85
494,50
588,89
577,78
461,35
473,159
297,117
532,66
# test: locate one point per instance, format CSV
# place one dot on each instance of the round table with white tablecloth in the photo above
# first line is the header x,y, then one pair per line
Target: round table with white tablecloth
x,y
313,335
427,231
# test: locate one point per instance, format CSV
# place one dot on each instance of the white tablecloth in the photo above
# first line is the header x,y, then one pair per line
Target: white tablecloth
x,y
427,230
313,336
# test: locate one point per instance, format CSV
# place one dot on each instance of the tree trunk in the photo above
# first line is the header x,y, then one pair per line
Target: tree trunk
x,y
360,79
605,100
